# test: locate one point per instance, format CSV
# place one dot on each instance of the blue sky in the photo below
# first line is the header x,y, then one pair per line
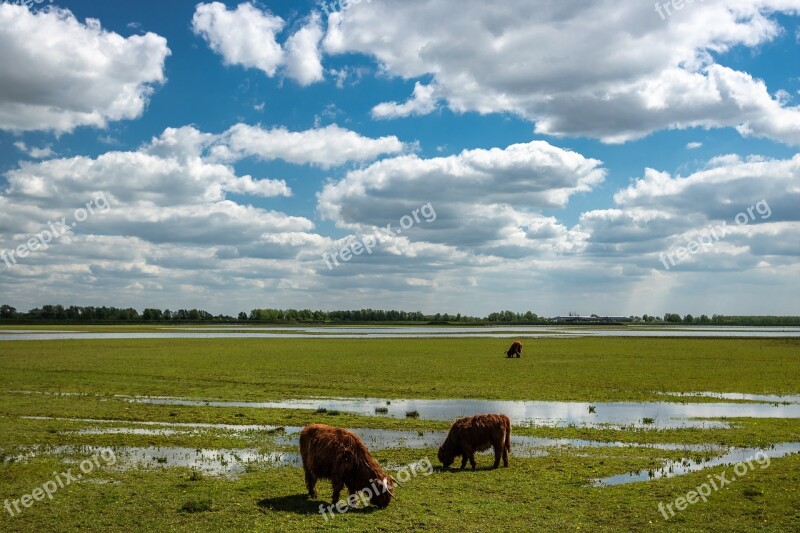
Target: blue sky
x,y
566,149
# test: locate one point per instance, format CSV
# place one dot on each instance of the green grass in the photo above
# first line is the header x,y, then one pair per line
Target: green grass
x,y
586,369
550,493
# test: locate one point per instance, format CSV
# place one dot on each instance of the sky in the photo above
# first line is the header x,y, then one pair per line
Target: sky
x,y
618,158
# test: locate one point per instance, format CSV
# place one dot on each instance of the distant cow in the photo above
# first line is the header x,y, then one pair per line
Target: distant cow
x,y
339,455
515,350
476,434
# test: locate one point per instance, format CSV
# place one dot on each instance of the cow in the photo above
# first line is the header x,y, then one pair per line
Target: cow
x,y
476,434
515,350
339,455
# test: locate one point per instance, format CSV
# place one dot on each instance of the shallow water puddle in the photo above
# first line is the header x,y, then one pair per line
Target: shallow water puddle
x,y
234,461
210,462
684,466
768,398
655,415
224,462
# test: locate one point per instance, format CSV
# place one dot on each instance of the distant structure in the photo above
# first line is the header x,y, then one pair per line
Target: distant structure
x,y
592,318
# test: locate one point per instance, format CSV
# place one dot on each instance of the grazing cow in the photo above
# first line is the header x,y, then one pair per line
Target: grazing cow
x,y
339,455
515,350
476,434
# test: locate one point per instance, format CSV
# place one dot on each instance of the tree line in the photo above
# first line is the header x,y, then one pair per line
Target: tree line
x,y
90,314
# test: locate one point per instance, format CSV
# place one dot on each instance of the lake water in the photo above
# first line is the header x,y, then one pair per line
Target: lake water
x,y
656,415
411,332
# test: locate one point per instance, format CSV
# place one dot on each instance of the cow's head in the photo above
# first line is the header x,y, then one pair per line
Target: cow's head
x,y
375,482
446,456
385,491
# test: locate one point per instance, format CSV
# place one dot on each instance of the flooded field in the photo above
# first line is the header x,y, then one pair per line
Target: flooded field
x,y
231,462
660,415
205,431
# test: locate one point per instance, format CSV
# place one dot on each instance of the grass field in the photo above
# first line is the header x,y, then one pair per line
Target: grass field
x,y
552,492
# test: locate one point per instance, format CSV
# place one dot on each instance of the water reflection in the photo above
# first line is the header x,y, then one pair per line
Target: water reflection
x,y
685,466
656,415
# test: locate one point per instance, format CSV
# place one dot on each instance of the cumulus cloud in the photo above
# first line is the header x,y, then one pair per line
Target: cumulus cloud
x,y
34,152
609,70
422,102
750,204
487,201
244,36
325,147
303,57
173,209
248,36
57,73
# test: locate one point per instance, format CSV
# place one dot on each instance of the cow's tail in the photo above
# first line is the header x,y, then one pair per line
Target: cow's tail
x,y
507,443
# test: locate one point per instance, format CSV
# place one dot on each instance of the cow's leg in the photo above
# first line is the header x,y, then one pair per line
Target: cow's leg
x,y
311,483
337,489
505,455
464,461
472,459
498,452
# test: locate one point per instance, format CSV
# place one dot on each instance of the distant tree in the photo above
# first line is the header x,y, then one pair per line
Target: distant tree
x,y
7,312
689,319
243,316
672,318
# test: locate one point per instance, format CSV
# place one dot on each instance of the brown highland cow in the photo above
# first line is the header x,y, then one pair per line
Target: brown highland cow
x,y
515,350
339,455
476,434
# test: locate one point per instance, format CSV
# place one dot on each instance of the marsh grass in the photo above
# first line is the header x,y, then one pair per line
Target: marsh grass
x,y
548,493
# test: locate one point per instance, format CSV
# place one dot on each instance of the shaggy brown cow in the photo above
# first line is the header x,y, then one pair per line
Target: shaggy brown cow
x,y
515,350
339,455
476,434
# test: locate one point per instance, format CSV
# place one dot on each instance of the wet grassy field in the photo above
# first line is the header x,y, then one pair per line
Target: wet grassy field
x,y
43,432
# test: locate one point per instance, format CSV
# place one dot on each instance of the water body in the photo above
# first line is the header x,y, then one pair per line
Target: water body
x,y
218,332
684,466
656,415
230,462
769,398
234,461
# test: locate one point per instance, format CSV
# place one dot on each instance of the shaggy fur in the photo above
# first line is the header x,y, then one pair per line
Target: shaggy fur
x,y
476,434
515,350
339,455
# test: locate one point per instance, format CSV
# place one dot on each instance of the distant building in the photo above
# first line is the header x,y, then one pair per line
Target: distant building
x,y
592,318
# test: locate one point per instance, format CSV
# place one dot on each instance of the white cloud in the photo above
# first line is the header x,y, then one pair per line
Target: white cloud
x,y
326,147
303,57
755,199
610,70
694,145
57,73
244,36
487,201
34,152
422,102
248,36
